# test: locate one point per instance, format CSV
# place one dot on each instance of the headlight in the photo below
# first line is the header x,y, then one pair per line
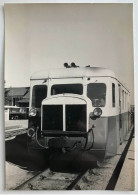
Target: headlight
x,y
97,112
31,132
33,112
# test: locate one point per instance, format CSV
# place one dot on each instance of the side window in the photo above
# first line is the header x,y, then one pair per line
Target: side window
x,y
38,94
125,100
113,95
97,94
119,87
122,99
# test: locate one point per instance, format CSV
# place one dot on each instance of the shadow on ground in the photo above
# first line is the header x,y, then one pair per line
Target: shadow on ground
x,y
17,153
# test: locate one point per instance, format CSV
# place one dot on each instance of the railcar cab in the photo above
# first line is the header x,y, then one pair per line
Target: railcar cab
x,y
76,108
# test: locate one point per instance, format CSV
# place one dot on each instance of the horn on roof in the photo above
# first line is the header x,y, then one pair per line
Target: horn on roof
x,y
66,65
73,65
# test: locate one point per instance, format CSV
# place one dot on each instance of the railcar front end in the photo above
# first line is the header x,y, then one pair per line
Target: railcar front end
x,y
81,114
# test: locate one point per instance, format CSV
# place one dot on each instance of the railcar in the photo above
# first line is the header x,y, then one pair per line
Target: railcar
x,y
74,108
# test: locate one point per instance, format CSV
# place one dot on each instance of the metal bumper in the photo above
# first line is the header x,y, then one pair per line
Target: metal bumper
x,y
66,139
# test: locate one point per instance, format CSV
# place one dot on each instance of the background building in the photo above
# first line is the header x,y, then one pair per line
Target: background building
x,y
17,96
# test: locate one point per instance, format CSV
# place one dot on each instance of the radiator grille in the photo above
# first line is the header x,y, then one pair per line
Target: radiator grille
x,y
75,117
53,117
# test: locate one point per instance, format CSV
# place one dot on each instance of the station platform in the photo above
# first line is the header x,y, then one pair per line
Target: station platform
x,y
126,180
14,124
14,128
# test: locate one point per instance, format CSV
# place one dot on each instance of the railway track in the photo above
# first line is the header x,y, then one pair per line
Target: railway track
x,y
49,180
100,178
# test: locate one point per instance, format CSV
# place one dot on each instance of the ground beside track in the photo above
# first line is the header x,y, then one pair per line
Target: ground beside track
x,y
126,178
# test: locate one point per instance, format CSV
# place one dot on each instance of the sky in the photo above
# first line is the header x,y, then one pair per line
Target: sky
x,y
42,36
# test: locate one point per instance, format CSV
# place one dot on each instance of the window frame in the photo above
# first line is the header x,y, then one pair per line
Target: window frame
x,y
105,92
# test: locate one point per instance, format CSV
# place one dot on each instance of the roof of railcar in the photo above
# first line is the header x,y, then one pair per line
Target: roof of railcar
x,y
73,73
78,72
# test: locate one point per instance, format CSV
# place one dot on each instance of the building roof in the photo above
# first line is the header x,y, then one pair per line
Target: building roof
x,y
72,73
17,91
27,95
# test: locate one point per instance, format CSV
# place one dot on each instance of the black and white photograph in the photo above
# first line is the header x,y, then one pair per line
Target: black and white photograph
x,y
69,106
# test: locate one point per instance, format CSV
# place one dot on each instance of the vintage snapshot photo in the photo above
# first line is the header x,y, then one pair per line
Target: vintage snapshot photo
x,y
69,96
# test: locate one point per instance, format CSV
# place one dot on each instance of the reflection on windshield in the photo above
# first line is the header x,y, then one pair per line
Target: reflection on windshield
x,y
97,93
67,88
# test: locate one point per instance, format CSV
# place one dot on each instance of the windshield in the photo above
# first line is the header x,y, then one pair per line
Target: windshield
x,y
97,93
67,88
39,93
